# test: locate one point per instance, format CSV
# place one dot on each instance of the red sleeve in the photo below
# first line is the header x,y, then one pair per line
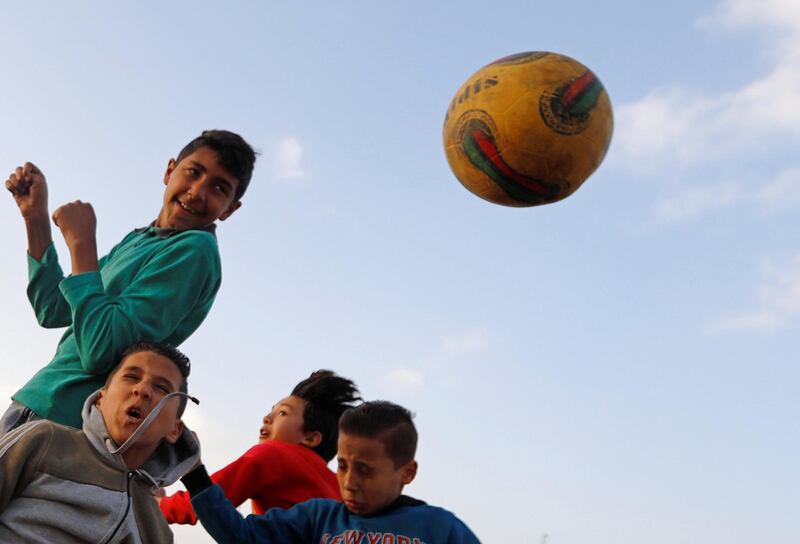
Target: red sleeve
x,y
260,467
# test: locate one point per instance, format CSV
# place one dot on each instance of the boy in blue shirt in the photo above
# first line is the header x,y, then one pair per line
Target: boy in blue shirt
x,y
156,285
377,443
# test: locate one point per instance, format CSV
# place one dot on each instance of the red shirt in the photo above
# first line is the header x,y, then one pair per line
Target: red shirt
x,y
272,474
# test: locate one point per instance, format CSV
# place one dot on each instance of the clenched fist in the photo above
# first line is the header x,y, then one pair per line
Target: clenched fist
x,y
28,186
77,222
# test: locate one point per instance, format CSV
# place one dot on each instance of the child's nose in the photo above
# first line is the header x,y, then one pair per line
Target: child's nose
x,y
143,390
198,190
349,481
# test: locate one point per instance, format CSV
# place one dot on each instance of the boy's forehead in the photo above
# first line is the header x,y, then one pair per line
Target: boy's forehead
x,y
361,448
152,363
291,401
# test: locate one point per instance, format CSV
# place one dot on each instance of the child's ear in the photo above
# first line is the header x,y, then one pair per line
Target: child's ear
x,y
312,439
409,472
170,169
175,433
232,208
99,396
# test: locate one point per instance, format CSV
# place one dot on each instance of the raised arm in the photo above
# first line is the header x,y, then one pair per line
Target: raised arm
x,y
78,225
28,187
226,525
261,466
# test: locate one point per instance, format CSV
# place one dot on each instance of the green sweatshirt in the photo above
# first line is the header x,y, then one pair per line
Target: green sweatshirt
x,y
155,285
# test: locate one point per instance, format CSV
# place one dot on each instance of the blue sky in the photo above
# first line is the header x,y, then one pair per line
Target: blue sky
x,y
613,368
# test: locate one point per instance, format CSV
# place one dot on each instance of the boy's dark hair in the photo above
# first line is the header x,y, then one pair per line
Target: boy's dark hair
x,y
325,397
173,354
235,155
388,422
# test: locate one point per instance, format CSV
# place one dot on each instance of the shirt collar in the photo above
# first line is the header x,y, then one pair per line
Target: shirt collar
x,y
153,230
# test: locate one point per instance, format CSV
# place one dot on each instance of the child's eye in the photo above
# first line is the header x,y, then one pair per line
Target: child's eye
x,y
222,188
282,412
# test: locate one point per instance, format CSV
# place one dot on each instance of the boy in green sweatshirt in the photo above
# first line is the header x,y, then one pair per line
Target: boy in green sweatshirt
x,y
156,285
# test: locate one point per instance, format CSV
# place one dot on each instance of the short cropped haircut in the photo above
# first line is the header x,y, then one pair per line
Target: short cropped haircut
x,y
235,155
388,422
325,397
165,350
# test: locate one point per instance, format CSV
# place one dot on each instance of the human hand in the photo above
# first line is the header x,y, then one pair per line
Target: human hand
x,y
28,187
77,223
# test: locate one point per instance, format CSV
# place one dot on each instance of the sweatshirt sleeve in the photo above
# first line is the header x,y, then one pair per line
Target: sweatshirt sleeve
x,y
20,453
460,533
176,281
49,305
261,466
226,525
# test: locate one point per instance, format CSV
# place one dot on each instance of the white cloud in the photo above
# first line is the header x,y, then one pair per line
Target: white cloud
x,y
692,202
665,123
289,159
680,127
783,191
404,380
738,13
757,321
470,341
779,301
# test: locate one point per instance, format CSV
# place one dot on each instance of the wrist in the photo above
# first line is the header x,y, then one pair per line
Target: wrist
x,y
84,255
197,480
36,218
39,237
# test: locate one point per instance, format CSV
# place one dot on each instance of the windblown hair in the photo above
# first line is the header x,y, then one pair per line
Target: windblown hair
x,y
235,155
165,350
326,397
388,422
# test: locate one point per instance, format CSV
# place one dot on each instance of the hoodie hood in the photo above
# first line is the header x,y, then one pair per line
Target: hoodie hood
x,y
164,467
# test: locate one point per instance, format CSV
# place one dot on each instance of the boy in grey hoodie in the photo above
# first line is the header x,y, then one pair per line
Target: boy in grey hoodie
x,y
59,484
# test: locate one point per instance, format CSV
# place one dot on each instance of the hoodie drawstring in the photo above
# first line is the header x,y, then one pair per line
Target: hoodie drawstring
x,y
144,424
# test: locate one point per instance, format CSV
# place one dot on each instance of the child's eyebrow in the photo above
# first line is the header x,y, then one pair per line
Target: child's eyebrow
x,y
199,166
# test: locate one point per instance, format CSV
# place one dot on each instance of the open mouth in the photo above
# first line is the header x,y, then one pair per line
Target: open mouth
x,y
187,209
135,414
263,434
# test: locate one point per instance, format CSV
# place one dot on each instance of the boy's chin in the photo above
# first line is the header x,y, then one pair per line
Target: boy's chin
x,y
361,509
120,437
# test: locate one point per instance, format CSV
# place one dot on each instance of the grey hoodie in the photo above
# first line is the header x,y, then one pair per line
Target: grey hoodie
x,y
61,485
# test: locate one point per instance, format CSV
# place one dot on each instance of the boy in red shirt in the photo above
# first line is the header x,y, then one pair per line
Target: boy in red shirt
x,y
289,465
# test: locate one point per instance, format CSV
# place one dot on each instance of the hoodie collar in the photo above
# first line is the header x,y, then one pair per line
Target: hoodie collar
x,y
164,467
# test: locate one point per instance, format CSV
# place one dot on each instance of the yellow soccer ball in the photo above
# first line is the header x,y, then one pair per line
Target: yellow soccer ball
x,y
528,129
